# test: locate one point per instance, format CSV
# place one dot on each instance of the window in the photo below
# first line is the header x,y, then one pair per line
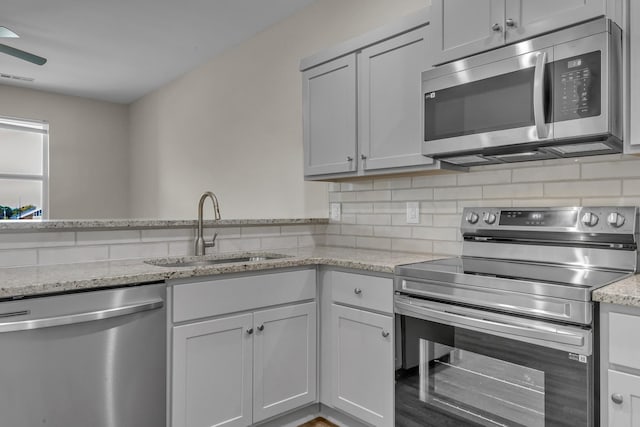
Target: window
x,y
24,169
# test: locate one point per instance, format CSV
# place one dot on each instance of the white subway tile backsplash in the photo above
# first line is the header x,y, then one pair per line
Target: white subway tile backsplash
x,y
389,207
356,208
357,230
547,173
373,196
306,230
438,206
18,257
342,241
165,235
447,248
446,220
563,201
268,243
36,240
434,233
107,237
392,183
485,177
631,187
456,193
260,231
512,191
186,248
412,245
583,188
139,250
238,245
390,231
412,195
379,243
435,181
619,169
377,219
74,254
349,219
356,186
349,196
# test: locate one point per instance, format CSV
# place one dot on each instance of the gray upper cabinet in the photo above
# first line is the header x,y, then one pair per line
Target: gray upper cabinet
x,y
389,102
329,117
632,138
463,28
362,103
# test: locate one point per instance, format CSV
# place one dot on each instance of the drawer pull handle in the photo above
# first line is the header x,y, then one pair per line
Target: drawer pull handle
x,y
617,398
357,291
249,331
261,328
385,334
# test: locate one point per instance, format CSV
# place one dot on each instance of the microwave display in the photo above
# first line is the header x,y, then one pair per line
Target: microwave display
x,y
577,87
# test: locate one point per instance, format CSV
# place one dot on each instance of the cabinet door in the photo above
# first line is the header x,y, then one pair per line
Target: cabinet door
x,y
362,371
329,117
212,373
526,18
625,389
389,102
284,359
462,27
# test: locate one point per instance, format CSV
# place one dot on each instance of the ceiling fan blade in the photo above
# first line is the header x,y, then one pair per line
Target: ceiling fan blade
x,y
21,54
7,33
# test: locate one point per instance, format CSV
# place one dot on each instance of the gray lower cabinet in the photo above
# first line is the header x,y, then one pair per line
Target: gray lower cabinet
x,y
362,111
463,28
357,345
620,366
242,368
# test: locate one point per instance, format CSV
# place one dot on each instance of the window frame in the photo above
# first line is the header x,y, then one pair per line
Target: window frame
x,y
35,126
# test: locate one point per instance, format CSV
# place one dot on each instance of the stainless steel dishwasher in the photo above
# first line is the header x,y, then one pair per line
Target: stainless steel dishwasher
x,y
84,359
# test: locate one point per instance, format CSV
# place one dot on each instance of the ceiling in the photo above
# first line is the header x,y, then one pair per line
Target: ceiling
x,y
119,50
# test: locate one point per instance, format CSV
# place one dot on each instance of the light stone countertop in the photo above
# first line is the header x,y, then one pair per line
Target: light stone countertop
x,y
623,292
123,224
23,281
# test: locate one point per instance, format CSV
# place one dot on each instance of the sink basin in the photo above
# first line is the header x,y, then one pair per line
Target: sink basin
x,y
199,262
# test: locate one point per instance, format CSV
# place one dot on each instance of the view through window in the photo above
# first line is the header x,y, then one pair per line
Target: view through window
x,y
24,169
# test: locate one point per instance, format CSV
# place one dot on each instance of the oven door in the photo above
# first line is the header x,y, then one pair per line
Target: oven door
x,y
499,102
458,366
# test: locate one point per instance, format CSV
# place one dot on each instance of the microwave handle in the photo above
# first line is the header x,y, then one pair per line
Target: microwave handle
x,y
538,95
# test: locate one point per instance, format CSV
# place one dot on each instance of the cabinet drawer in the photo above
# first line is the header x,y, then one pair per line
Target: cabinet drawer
x,y
216,297
624,348
369,292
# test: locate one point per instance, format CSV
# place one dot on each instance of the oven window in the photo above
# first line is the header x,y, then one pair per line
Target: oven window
x,y
496,103
485,390
453,376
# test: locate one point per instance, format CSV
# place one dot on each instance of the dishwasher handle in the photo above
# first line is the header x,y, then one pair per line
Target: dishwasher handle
x,y
75,318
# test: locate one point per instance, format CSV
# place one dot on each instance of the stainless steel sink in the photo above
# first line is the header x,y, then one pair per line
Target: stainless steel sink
x,y
195,262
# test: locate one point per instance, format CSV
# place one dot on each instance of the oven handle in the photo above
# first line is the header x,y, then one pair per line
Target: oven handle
x,y
538,95
454,315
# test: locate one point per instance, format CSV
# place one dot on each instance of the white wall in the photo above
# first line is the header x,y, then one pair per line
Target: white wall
x,y
234,124
89,167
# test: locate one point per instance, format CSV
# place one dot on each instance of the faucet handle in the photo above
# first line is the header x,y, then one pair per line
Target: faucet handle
x,y
213,241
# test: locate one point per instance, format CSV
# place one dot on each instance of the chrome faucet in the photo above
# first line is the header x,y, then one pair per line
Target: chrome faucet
x,y
201,245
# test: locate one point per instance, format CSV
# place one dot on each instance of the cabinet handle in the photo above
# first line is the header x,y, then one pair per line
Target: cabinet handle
x,y
261,328
496,27
249,331
510,23
363,157
349,159
357,291
617,398
385,334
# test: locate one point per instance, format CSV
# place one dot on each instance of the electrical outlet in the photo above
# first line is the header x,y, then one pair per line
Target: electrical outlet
x,y
413,213
335,212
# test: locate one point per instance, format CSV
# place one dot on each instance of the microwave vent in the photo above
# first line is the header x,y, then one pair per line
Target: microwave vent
x,y
581,148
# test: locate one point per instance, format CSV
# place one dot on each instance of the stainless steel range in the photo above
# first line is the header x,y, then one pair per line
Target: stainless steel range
x,y
504,334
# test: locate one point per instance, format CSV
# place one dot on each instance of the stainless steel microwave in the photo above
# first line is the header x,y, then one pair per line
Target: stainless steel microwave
x,y
557,95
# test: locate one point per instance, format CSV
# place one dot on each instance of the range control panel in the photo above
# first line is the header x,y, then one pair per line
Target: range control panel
x,y
601,219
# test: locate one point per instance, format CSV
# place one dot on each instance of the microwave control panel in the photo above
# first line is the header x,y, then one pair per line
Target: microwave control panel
x,y
576,87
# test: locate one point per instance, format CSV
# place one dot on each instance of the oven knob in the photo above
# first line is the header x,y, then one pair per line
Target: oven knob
x,y
589,219
489,218
472,217
615,220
